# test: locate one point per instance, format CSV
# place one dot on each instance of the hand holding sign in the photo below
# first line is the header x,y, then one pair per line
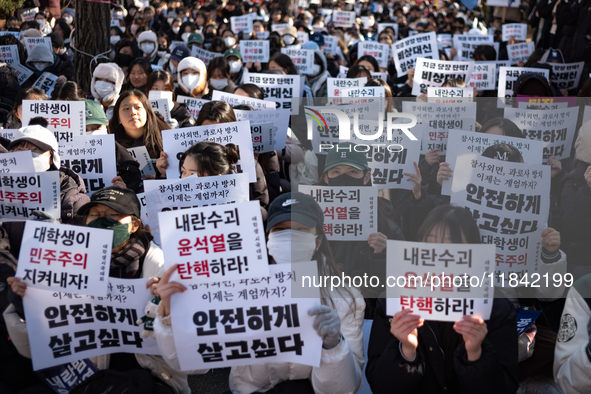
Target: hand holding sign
x,y
473,330
327,324
555,165
377,241
404,327
550,240
166,289
17,285
444,173
417,179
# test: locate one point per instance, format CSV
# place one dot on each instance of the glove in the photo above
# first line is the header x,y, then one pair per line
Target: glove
x,y
44,217
327,324
173,123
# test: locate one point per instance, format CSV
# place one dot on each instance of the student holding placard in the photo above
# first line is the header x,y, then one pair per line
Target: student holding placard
x,y
161,81
218,76
295,234
41,59
192,78
14,118
469,356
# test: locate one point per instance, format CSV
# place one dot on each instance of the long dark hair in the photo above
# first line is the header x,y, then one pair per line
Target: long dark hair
x,y
68,91
220,63
252,90
144,65
509,128
163,76
212,158
284,62
216,111
152,129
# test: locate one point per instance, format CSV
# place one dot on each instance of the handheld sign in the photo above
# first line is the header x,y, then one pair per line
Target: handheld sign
x,y
141,155
234,100
65,118
194,105
406,51
16,162
46,82
430,72
23,193
254,51
303,59
516,30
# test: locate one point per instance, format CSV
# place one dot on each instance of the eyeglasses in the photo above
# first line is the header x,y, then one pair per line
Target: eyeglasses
x,y
93,215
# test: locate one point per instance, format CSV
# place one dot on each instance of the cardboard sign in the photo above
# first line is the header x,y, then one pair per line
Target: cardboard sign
x,y
350,213
430,72
440,282
215,243
194,105
248,322
378,51
303,59
177,141
406,51
22,193
60,257
510,203
63,327
516,30
234,100
16,162
254,51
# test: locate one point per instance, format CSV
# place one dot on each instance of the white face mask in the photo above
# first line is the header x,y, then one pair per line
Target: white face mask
x,y
147,47
218,84
118,15
229,41
41,163
288,39
348,38
315,70
185,36
191,81
291,246
115,39
170,20
103,89
176,30
235,66
41,66
68,19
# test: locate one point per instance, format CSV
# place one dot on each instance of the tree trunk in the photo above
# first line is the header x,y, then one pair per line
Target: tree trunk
x,y
91,35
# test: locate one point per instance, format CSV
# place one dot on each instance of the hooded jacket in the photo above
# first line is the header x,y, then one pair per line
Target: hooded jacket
x,y
195,64
318,83
58,66
528,78
149,36
112,72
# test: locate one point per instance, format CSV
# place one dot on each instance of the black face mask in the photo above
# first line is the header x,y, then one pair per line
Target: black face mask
x,y
209,35
123,60
346,180
161,47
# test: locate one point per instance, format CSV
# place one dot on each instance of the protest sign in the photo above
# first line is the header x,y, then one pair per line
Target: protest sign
x,y
365,91
394,26
161,106
16,162
278,88
406,51
545,103
508,76
280,120
248,322
177,141
444,40
263,35
15,34
241,23
510,203
430,72
192,192
350,213
343,18
174,44
93,158
46,82
203,54
503,3
303,59
465,49
234,100
516,30
303,37
460,143
141,155
567,75
278,27
440,281
378,51
65,118
63,378
65,258
9,54
526,316
24,192
344,70
254,51
214,243
194,105
22,73
32,42
555,128
8,133
449,92
63,327
484,76
28,14
334,85
331,44
520,51
466,43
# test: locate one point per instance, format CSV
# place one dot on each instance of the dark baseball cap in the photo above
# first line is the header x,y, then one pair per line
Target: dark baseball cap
x,y
180,52
295,206
121,200
345,154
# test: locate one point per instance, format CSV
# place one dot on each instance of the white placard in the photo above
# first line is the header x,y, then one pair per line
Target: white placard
x,y
508,76
280,120
556,128
268,326
510,203
439,279
203,54
59,257
262,35
63,327
406,51
516,30
234,100
9,54
174,44
32,42
16,162
521,51
254,51
303,59
365,91
177,141
335,85
22,73
350,213
331,44
241,23
194,105
93,158
378,51
445,40
430,72
461,142
65,119
8,133
46,82
449,92
471,41
22,193
215,243
343,18
278,88
484,76
568,75
303,37
278,27
141,155
29,14
161,106
344,70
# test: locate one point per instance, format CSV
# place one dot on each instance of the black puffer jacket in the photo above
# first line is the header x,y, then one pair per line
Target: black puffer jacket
x,y
72,193
9,86
441,364
182,115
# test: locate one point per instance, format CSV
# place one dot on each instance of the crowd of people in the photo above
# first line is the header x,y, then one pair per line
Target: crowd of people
x,y
155,50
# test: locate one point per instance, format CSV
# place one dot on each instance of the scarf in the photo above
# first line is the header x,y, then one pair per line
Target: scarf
x,y
125,263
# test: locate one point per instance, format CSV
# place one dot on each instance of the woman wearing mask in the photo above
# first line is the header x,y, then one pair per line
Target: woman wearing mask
x,y
290,37
125,52
106,84
68,15
138,74
133,255
116,36
175,28
230,40
135,124
187,28
161,81
468,356
317,79
295,234
235,62
218,72
41,59
148,43
14,118
192,78
41,19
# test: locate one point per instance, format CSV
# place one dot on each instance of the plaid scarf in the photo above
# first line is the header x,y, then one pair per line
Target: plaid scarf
x,y
125,263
